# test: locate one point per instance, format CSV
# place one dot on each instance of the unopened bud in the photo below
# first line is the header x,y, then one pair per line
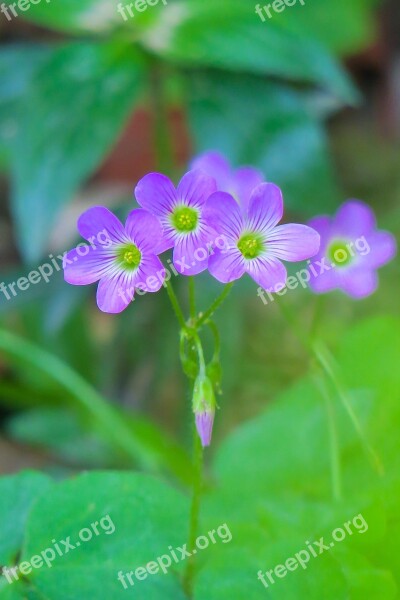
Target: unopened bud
x,y
204,408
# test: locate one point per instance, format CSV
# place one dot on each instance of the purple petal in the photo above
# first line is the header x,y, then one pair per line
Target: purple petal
x,y
195,188
358,282
376,249
265,207
168,240
145,230
293,242
323,225
246,179
215,165
83,270
267,271
239,183
226,265
191,254
99,220
115,292
156,193
353,219
323,282
223,214
204,426
151,274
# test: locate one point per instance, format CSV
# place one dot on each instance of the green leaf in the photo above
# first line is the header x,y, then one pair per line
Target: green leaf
x,y
70,116
357,21
71,15
269,126
16,73
136,437
147,516
273,485
17,495
59,431
228,35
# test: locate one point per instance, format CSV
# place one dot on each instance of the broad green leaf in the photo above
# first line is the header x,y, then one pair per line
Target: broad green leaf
x,y
145,518
16,73
17,494
70,116
272,485
319,20
71,15
228,35
269,126
342,26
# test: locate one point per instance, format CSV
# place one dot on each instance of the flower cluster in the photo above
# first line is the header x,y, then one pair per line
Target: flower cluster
x,y
226,221
218,219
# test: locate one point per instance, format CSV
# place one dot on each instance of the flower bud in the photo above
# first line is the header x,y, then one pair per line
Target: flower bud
x,y
204,408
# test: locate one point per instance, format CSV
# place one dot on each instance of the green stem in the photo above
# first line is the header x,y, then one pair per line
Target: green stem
x,y
192,298
188,578
202,362
323,357
175,304
327,363
215,305
217,340
336,475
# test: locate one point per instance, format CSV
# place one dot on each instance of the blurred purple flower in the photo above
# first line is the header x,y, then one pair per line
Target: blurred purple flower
x,y
239,183
180,212
255,245
127,261
351,251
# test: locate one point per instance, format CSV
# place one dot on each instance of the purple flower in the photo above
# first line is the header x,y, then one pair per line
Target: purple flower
x,y
123,260
204,408
254,243
351,251
204,426
239,183
180,211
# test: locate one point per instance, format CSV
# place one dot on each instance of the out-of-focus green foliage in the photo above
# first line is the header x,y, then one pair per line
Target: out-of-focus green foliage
x,y
63,107
260,93
66,122
16,499
271,485
280,134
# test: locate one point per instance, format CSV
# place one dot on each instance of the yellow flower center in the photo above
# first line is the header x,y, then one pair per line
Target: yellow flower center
x,y
251,245
185,219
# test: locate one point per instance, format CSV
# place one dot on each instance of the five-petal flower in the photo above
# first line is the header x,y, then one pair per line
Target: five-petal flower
x,y
180,211
353,249
129,262
255,244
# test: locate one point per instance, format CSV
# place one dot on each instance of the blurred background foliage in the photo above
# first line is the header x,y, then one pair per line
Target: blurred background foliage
x,y
88,104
